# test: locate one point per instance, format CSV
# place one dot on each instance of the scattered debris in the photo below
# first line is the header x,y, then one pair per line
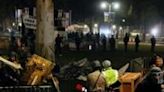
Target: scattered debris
x,y
75,69
37,70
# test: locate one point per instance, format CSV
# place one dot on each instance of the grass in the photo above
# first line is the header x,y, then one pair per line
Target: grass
x,y
118,58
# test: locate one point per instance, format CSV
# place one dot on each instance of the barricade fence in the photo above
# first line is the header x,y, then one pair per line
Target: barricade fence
x,y
47,88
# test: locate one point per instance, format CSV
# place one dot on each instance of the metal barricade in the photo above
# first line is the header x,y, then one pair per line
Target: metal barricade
x,y
47,88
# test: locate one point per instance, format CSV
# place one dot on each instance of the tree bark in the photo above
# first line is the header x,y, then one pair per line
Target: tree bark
x,y
45,33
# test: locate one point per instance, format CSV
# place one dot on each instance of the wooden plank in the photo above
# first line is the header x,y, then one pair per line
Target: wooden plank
x,y
7,62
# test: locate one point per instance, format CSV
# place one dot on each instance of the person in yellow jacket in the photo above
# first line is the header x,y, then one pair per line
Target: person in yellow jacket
x,y
110,75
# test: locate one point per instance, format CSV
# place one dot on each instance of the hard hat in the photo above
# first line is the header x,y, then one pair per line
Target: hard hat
x,y
106,63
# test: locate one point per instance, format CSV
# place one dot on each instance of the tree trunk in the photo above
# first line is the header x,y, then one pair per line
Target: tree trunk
x,y
45,33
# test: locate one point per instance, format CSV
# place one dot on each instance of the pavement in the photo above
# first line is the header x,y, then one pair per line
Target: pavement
x,y
142,43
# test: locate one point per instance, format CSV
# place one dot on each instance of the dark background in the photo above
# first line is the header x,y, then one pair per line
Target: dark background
x,y
143,10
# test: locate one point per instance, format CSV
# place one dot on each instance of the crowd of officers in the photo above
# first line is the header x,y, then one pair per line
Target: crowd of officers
x,y
95,41
137,42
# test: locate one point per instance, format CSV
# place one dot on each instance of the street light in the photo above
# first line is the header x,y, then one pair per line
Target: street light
x,y
95,25
116,5
20,24
107,15
120,28
123,20
104,5
114,27
85,26
95,28
13,24
109,6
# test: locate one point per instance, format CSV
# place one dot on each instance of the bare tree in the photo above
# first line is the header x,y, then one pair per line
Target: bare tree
x,y
45,33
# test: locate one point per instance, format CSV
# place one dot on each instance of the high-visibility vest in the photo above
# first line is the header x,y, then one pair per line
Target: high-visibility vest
x,y
110,76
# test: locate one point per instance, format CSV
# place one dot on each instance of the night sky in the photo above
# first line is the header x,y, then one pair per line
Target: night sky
x,y
81,9
85,9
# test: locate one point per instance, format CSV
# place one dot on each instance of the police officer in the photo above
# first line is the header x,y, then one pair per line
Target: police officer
x,y
104,43
58,43
153,43
137,41
112,43
126,40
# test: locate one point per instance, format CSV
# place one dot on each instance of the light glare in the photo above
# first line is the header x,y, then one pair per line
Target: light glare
x,y
103,5
120,28
114,27
154,31
116,5
123,20
85,26
95,25
20,24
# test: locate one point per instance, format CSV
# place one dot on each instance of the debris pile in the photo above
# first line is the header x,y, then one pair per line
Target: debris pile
x,y
37,71
75,69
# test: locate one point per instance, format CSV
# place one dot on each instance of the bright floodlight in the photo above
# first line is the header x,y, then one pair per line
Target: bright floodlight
x,y
9,29
116,5
114,27
13,24
104,5
154,31
120,28
95,25
20,24
85,26
105,30
123,20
